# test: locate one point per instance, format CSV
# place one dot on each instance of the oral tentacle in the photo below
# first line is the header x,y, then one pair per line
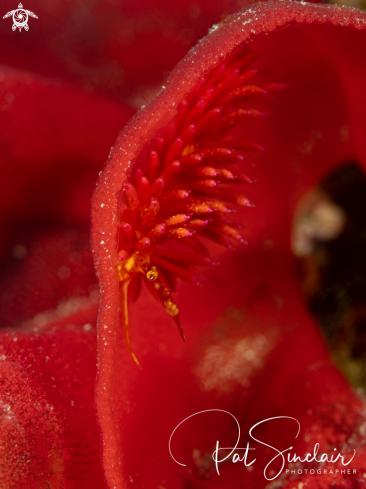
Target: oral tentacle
x,y
123,291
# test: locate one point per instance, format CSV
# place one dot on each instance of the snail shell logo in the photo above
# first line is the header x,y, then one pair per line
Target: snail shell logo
x,y
20,17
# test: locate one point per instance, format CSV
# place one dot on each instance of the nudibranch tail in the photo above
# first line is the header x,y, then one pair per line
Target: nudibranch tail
x,y
187,184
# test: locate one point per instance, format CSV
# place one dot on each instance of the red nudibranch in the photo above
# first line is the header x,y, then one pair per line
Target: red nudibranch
x,y
182,189
167,180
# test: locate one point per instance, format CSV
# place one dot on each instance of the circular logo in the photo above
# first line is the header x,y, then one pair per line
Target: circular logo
x,y
20,18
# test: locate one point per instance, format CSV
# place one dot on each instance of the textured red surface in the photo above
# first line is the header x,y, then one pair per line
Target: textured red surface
x,y
253,295
49,437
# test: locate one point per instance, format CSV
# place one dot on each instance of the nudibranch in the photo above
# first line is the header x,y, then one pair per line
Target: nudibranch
x,y
186,183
